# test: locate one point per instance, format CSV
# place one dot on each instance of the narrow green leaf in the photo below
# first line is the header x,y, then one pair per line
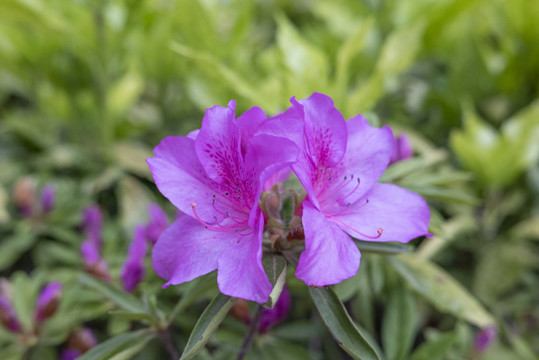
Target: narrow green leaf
x,y
193,291
132,316
12,248
340,324
206,325
121,298
118,345
440,289
385,248
399,324
275,268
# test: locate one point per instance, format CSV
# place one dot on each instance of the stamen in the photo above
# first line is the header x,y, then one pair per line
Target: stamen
x,y
351,192
379,231
208,226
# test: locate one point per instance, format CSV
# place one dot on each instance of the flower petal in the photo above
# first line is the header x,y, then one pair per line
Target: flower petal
x,y
180,177
402,214
218,144
330,255
325,129
249,123
367,155
187,250
240,271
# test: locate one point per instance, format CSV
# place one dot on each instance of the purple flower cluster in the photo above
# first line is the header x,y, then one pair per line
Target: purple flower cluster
x,y
215,177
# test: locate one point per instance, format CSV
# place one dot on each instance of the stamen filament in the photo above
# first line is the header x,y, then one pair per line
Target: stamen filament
x,y
208,226
379,230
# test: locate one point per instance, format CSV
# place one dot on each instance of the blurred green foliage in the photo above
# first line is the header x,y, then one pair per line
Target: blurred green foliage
x,y
88,87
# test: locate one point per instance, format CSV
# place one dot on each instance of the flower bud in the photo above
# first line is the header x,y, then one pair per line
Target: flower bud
x,y
8,317
402,149
93,263
93,225
78,343
240,310
24,196
157,224
47,198
484,339
270,317
133,270
48,301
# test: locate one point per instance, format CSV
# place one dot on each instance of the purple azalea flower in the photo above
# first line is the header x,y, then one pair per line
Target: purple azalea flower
x,y
8,316
402,149
338,166
270,317
48,301
484,339
93,225
216,181
133,269
47,198
157,224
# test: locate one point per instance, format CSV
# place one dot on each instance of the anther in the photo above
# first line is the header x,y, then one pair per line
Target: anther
x,y
226,193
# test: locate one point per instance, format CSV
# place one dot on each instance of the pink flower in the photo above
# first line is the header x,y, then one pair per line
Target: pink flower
x,y
339,165
215,178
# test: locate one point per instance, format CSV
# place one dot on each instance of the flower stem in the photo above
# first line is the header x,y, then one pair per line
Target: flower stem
x,y
253,328
166,338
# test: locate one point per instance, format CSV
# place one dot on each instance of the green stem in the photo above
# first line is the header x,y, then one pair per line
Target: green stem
x,y
253,328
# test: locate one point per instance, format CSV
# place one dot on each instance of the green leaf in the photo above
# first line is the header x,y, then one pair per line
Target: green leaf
x,y
435,349
275,268
121,298
132,316
206,325
340,324
12,248
384,248
440,289
193,291
302,59
399,324
119,344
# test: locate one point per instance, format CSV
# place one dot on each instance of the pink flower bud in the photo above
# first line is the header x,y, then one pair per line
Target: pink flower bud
x,y
8,317
402,149
47,198
270,317
157,224
133,270
48,301
485,338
